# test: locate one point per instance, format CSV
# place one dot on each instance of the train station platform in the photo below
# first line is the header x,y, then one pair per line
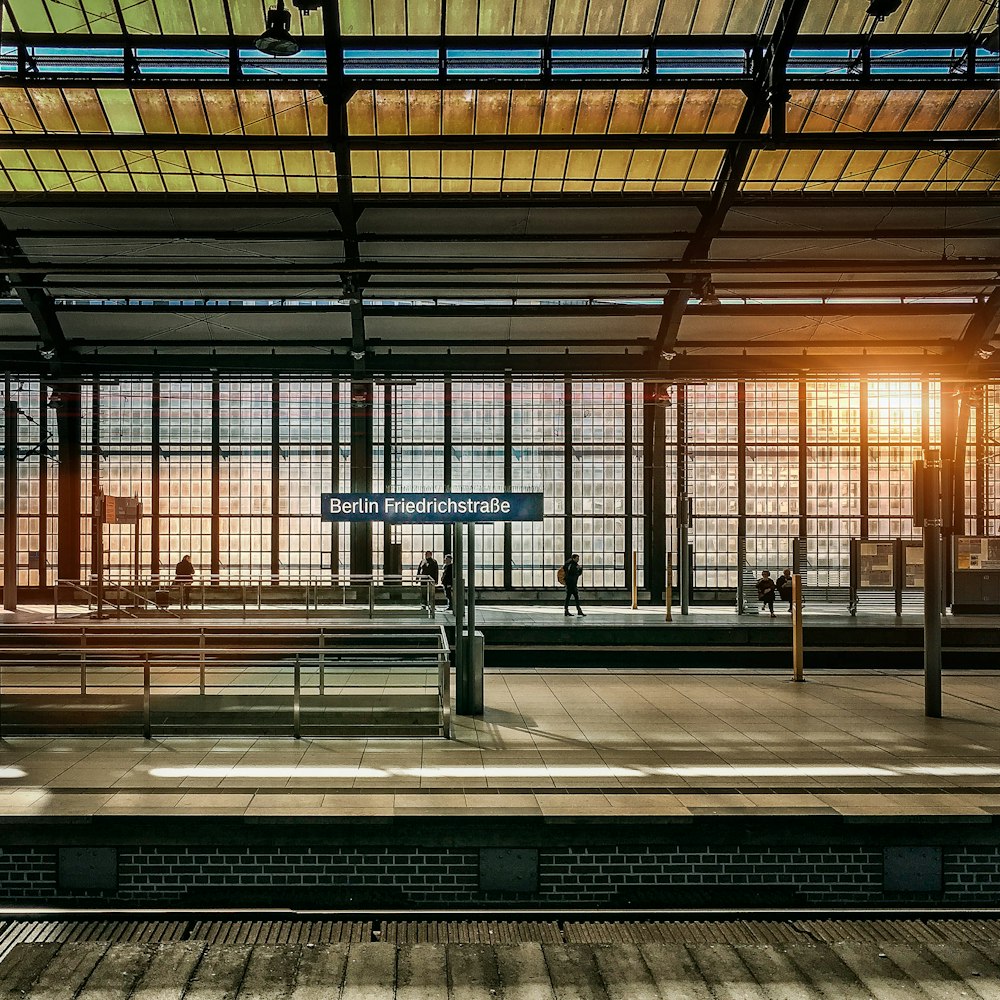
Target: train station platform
x,y
540,635
598,786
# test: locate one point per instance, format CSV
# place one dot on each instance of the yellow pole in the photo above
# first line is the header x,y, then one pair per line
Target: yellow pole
x,y
635,583
797,627
670,584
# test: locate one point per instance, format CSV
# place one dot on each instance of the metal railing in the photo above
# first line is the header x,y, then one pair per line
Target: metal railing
x,y
253,690
252,593
93,598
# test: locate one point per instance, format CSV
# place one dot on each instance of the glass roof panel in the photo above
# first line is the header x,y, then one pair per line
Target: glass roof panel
x,y
257,171
892,111
913,16
533,170
497,18
179,111
550,112
157,17
873,170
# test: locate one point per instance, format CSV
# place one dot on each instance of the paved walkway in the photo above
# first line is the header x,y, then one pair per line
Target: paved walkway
x,y
600,743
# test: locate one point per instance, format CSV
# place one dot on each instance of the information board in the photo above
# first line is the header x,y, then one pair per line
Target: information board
x,y
432,508
913,566
121,510
977,553
876,565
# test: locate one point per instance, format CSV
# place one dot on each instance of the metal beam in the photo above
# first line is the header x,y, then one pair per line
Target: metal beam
x,y
769,71
516,61
980,139
309,268
472,364
509,311
37,303
239,236
981,330
239,202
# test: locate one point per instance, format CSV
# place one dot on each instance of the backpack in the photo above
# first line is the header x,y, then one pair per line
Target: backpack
x,y
561,574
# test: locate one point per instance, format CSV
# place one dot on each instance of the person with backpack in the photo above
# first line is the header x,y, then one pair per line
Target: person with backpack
x,y
569,575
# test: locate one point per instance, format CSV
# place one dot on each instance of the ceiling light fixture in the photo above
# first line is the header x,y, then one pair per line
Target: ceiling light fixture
x,y
881,9
985,353
276,39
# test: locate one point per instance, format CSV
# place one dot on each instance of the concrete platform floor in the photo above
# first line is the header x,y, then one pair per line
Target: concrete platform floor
x,y
597,743
517,614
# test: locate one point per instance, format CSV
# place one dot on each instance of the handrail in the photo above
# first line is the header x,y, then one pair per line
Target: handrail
x,y
422,671
115,586
89,593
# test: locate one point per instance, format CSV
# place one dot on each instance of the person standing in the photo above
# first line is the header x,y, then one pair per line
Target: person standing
x,y
448,580
784,584
572,571
765,591
427,571
183,578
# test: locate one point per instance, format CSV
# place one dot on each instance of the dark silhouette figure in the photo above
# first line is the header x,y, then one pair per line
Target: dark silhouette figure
x,y
183,578
784,584
448,581
573,571
427,570
765,590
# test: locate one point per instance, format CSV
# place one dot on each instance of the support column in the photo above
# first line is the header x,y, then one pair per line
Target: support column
x,y
335,475
362,450
9,500
683,503
275,480
954,427
154,485
981,467
741,491
215,560
387,446
863,457
508,478
96,519
568,542
932,584
654,480
69,426
629,541
803,463
448,446
43,485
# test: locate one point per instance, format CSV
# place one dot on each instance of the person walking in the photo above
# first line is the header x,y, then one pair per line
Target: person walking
x,y
572,571
427,571
183,578
784,585
765,591
448,580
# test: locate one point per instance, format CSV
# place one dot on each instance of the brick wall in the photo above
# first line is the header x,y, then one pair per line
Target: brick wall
x,y
587,874
567,875
972,874
27,872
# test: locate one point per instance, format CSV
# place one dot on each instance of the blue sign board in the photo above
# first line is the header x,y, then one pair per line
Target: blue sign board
x,y
432,508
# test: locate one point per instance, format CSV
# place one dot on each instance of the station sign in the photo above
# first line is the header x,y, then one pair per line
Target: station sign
x,y
432,508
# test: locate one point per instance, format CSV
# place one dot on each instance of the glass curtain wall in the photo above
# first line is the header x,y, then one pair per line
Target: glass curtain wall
x,y
230,471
